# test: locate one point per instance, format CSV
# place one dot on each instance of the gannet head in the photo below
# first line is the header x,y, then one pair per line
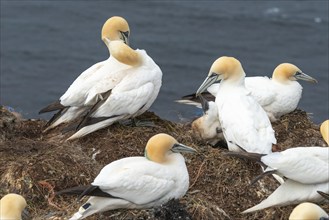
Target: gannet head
x,y
224,68
161,145
115,28
307,211
12,206
324,129
287,71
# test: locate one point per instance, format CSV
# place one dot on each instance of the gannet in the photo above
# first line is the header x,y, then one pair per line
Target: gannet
x,y
244,123
138,182
324,129
307,165
122,87
74,101
308,211
207,126
278,95
12,206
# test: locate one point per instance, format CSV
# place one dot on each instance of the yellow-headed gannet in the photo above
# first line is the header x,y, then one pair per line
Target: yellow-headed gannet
x,y
12,207
324,129
278,95
308,211
138,182
124,86
244,122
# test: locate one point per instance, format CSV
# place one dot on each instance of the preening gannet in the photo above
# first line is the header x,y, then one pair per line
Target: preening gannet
x,y
308,211
324,129
278,95
12,206
138,182
122,87
244,122
77,99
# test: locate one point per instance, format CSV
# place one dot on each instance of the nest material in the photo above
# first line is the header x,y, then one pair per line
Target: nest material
x,y
35,164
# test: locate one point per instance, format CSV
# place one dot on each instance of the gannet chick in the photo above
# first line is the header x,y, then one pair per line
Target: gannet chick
x,y
12,206
278,96
292,192
308,211
324,129
207,127
244,122
138,182
307,165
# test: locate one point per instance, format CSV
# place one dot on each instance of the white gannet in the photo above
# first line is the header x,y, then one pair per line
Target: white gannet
x,y
306,165
324,129
278,95
121,87
292,192
207,126
308,211
244,122
12,207
74,101
138,182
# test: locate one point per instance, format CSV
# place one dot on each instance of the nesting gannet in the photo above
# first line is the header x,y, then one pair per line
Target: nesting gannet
x,y
124,86
12,206
324,129
307,165
138,182
278,95
244,122
207,126
308,211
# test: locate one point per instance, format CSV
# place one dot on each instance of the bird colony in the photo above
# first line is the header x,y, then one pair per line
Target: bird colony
x,y
237,110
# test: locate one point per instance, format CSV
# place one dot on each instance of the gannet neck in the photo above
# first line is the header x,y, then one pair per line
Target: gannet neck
x,y
124,54
324,129
11,206
284,73
228,68
115,28
306,211
159,146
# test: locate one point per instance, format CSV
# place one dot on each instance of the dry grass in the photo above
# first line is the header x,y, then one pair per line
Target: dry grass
x,y
35,165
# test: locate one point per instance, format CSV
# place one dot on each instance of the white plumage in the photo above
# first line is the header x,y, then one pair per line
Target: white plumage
x,y
141,182
292,192
123,86
244,122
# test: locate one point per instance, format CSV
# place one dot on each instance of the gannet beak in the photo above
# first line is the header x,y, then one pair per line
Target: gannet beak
x,y
181,148
204,104
25,214
206,83
303,76
125,36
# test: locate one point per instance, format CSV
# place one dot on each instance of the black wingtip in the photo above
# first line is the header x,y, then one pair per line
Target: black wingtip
x,y
52,107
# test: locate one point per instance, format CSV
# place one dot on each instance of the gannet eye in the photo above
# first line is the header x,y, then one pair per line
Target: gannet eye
x,y
298,73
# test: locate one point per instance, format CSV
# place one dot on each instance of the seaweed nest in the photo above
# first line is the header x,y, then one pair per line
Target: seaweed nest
x,y
36,164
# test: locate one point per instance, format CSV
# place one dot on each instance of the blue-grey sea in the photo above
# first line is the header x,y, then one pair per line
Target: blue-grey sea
x,y
45,45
